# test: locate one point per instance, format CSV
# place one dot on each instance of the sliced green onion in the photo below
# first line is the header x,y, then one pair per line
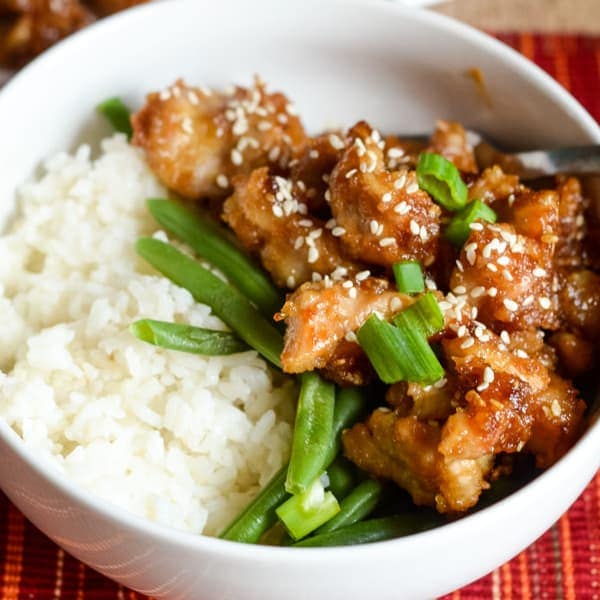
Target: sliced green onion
x,y
441,180
409,277
342,478
259,516
424,315
210,240
360,503
312,432
305,512
226,302
459,228
118,114
187,338
374,530
399,354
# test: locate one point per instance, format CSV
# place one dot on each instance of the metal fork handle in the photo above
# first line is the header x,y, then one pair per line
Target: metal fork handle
x,y
578,160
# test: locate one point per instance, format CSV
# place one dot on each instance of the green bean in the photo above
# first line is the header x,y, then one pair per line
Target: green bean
x,y
360,503
350,406
187,338
374,530
341,476
210,240
118,114
312,432
259,516
225,301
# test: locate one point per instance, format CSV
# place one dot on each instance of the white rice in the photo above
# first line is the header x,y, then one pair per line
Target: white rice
x,y
181,439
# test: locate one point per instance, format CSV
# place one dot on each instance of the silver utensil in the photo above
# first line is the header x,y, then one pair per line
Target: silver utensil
x,y
575,160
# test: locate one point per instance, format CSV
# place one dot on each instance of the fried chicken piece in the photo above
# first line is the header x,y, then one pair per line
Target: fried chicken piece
x,y
382,216
493,185
196,140
313,165
572,229
348,365
580,303
268,215
450,140
508,277
37,25
319,316
425,402
405,449
575,354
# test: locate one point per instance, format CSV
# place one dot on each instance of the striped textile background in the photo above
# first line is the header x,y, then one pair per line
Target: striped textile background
x,y
563,564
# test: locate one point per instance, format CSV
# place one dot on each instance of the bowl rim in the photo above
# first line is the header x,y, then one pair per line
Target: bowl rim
x,y
275,554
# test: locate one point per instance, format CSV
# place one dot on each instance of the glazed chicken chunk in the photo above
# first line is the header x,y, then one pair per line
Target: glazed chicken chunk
x,y
269,216
382,216
196,140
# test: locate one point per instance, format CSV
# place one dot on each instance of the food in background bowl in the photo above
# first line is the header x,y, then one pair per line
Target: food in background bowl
x,y
452,303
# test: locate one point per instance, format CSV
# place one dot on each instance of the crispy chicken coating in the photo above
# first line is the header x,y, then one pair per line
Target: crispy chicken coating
x,y
382,216
269,217
494,184
197,140
320,316
579,295
572,229
508,277
450,140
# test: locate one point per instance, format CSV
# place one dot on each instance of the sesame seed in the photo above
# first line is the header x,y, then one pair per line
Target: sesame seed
x,y
327,196
478,291
402,208
545,303
338,231
336,142
460,289
430,284
503,260
348,284
165,95
305,223
362,275
470,256
412,188
467,343
350,336
488,375
492,267
277,210
187,125
316,277
414,227
507,275
462,331
476,226
539,272
555,408
400,182
492,292
395,152
528,301
396,304
315,234
388,241
374,226
331,223
291,281
236,157
510,305
313,255
521,353
351,173
483,386
274,153
314,154
265,125
423,233
459,266
298,243
222,181
352,293
375,136
386,197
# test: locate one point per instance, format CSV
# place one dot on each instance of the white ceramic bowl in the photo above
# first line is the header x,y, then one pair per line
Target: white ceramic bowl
x,y
340,60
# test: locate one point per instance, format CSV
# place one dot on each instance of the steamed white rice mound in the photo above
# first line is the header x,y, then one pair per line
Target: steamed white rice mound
x,y
181,439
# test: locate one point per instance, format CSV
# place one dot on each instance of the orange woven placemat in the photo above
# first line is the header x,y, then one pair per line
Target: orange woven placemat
x,y
563,564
